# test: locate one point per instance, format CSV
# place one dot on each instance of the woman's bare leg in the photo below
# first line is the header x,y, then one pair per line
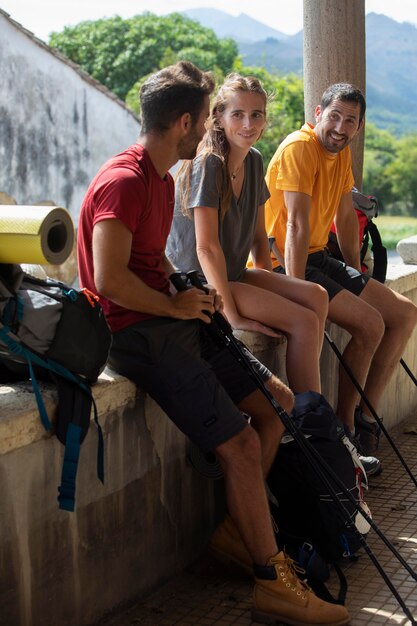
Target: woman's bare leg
x,y
300,325
303,292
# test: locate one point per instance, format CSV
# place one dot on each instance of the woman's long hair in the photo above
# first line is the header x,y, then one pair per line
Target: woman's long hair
x,y
215,141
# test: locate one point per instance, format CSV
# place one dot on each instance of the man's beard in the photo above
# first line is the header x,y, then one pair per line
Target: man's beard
x,y
187,147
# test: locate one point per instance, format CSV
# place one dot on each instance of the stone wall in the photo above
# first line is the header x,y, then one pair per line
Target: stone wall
x,y
57,124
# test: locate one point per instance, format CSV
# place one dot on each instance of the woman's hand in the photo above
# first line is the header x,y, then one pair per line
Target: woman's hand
x,y
243,323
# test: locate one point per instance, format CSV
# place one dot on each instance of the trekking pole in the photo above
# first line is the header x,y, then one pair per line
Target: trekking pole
x,y
409,372
223,330
362,394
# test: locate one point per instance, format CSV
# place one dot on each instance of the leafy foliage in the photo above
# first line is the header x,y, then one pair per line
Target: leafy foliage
x,y
118,52
402,173
379,153
390,171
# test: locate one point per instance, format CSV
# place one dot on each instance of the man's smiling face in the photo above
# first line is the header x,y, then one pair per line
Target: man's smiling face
x,y
337,124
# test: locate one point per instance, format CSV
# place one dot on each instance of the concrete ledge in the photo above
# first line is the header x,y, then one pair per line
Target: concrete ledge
x,y
20,424
407,249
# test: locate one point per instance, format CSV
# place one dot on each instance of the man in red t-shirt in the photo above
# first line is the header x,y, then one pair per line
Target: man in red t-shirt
x,y
160,339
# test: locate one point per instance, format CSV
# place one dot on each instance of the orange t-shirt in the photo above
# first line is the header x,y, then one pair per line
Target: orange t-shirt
x,y
302,164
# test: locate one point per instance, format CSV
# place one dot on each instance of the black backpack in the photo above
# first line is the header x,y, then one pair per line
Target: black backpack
x,y
51,331
310,526
366,208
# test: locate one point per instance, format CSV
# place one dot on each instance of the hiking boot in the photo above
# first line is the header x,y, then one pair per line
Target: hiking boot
x,y
227,543
369,433
280,596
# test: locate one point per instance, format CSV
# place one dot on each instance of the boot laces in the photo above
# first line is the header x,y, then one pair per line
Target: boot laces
x,y
288,571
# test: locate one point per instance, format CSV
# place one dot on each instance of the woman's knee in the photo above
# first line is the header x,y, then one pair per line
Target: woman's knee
x,y
305,325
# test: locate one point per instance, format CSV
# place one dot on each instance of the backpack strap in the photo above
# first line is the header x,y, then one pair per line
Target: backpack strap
x,y
66,491
30,358
314,567
76,431
379,252
72,424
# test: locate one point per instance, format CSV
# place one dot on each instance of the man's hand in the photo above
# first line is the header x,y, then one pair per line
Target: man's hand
x,y
218,300
193,304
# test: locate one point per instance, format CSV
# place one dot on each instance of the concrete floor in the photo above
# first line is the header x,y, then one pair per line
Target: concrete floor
x,y
214,594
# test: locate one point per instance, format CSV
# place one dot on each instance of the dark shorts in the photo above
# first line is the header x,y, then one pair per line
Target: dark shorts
x,y
196,381
332,274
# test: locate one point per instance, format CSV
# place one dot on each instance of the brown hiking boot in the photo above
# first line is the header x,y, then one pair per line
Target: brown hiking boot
x,y
227,543
280,596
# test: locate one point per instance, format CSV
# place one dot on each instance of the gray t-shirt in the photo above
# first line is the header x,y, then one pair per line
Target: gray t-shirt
x,y
236,230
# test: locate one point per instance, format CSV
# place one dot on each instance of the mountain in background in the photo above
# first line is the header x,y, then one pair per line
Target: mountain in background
x,y
391,60
226,25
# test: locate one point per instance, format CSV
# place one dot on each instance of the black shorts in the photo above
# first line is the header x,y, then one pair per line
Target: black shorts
x,y
332,274
195,380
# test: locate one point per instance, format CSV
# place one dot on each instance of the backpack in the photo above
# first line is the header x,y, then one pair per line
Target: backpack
x,y
51,331
366,208
310,526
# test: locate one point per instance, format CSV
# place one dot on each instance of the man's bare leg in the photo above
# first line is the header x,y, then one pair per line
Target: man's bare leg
x,y
366,327
400,317
241,460
265,420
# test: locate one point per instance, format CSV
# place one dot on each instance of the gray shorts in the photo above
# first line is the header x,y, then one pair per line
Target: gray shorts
x,y
332,274
194,379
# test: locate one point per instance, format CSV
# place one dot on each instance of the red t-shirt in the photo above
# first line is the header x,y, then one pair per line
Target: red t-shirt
x,y
128,188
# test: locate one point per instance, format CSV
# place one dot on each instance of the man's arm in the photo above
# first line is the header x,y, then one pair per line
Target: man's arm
x,y
167,265
260,253
298,232
347,230
112,242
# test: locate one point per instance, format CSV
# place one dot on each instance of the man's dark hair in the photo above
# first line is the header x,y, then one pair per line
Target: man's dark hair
x,y
346,93
171,92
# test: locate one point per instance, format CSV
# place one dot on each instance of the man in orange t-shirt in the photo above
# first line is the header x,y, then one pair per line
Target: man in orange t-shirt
x,y
310,181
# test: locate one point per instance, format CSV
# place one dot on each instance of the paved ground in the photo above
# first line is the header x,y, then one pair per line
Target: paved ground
x,y
214,594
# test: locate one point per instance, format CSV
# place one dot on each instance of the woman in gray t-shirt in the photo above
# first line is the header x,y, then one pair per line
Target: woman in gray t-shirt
x,y
219,222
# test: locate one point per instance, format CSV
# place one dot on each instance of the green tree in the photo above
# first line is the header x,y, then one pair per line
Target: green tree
x,y
380,151
402,173
118,52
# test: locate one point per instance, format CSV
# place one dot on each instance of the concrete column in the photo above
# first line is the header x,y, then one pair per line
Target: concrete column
x,y
334,52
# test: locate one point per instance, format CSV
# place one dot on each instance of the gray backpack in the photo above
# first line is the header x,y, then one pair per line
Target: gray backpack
x,y
50,330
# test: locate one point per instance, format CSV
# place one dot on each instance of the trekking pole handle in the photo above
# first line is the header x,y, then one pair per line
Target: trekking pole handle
x,y
178,281
221,322
195,279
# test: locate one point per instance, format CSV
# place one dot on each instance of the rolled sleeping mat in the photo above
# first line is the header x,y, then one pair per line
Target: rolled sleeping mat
x,y
35,234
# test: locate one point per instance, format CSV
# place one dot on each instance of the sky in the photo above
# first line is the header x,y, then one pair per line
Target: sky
x,y
44,16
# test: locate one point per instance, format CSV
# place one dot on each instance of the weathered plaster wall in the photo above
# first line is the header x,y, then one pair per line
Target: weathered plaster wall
x,y
57,125
150,519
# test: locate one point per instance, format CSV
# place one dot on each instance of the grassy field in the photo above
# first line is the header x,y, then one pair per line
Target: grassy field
x,y
392,228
